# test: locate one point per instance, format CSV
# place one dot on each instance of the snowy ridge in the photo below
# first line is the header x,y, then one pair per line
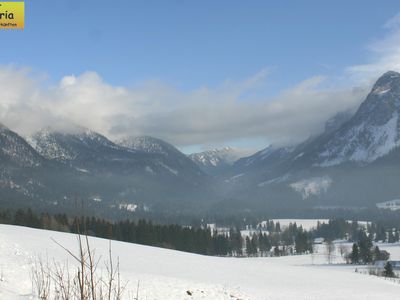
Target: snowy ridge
x,y
261,155
270,153
66,146
217,157
166,155
147,144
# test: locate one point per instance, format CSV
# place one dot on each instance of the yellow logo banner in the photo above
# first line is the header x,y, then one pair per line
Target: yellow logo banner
x,y
12,15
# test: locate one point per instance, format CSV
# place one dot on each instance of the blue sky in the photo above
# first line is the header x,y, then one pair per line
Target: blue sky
x,y
190,45
194,43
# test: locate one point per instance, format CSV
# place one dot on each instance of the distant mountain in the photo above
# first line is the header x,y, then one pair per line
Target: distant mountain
x,y
159,177
272,156
216,160
353,163
372,132
172,157
81,148
22,171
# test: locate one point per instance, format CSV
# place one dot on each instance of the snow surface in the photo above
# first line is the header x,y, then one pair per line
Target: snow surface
x,y
173,171
274,180
381,90
312,187
307,224
128,206
168,275
392,204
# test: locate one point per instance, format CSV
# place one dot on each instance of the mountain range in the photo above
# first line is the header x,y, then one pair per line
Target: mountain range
x,y
352,164
56,168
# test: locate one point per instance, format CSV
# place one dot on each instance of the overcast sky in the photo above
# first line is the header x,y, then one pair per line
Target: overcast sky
x,y
198,74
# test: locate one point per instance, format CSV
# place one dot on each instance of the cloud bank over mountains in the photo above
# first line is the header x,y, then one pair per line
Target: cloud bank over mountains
x,y
205,115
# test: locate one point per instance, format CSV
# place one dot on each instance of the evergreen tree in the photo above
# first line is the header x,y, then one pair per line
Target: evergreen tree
x,y
270,226
388,272
278,227
251,245
248,246
264,243
302,242
236,241
355,254
380,234
391,237
365,247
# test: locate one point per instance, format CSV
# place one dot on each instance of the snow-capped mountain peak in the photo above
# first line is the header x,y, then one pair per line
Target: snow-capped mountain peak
x,y
372,132
215,157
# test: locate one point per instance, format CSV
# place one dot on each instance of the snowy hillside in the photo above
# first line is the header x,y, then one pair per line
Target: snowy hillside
x,y
166,274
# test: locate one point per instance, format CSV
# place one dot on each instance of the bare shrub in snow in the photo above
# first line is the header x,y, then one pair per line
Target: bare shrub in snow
x,y
84,281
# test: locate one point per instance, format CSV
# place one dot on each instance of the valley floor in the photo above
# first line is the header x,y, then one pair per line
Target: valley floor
x,y
170,275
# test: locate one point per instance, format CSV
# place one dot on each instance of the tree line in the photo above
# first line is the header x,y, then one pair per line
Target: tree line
x,y
266,240
184,238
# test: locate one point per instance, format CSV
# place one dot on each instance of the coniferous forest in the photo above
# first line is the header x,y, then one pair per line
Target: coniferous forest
x,y
269,239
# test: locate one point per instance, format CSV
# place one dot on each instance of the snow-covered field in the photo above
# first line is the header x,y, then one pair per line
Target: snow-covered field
x,y
307,224
168,275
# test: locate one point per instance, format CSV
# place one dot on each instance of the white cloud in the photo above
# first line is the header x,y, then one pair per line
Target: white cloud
x,y
393,23
201,116
384,54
